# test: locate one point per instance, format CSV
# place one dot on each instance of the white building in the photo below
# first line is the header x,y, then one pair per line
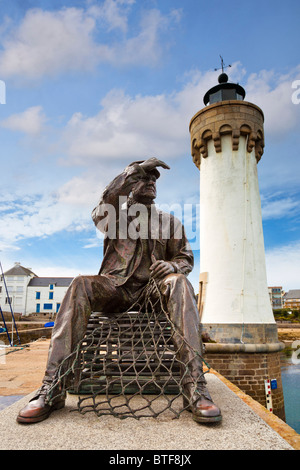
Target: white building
x,y
13,288
45,294
23,291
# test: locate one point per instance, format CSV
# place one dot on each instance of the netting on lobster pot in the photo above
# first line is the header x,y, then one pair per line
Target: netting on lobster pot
x,y
127,364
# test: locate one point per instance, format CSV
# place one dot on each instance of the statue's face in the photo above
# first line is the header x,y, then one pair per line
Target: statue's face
x,y
145,189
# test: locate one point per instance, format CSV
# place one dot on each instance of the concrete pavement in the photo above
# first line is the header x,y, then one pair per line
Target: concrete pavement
x,y
241,429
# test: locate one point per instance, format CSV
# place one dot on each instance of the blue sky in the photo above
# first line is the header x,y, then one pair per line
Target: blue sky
x,y
94,85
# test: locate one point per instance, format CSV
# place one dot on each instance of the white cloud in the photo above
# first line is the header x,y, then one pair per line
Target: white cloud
x,y
276,207
48,43
136,127
84,191
127,128
273,94
40,216
283,266
43,270
112,13
31,121
145,48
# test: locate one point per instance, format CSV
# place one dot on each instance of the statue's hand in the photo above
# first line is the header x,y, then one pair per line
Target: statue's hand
x,y
160,269
152,163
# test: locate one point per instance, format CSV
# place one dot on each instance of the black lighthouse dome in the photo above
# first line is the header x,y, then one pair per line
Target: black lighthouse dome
x,y
224,91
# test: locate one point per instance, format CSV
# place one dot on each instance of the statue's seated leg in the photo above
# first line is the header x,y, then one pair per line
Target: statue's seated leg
x,y
85,294
183,312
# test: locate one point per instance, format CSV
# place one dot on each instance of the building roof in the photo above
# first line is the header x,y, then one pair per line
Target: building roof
x,y
19,270
45,281
292,294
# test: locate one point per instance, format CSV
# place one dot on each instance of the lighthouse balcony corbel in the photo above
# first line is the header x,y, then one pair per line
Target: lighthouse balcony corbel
x,y
251,141
235,139
259,145
217,141
196,152
255,140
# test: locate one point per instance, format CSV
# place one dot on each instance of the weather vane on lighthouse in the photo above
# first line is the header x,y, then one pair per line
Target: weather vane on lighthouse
x,y
223,66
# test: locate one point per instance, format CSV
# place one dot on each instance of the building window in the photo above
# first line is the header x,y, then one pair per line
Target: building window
x,y
50,295
38,295
47,306
38,307
8,300
51,287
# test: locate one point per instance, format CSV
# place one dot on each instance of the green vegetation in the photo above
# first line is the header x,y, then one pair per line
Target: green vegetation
x,y
287,314
288,351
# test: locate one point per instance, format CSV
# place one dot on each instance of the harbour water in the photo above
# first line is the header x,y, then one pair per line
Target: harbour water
x,y
290,374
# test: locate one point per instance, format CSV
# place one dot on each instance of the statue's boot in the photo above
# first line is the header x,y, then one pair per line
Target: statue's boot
x,y
40,407
197,399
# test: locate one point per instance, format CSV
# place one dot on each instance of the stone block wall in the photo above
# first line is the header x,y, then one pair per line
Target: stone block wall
x,y
26,336
249,371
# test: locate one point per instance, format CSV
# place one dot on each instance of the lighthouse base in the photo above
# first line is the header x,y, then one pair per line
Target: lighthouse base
x,y
249,369
242,333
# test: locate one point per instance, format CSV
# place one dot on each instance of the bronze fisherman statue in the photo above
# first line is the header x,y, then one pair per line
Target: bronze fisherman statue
x,y
129,261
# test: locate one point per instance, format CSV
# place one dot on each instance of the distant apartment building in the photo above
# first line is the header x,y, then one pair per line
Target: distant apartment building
x,y
292,299
276,297
24,292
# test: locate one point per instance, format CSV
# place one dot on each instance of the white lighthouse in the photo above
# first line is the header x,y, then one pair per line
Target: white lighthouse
x,y
227,139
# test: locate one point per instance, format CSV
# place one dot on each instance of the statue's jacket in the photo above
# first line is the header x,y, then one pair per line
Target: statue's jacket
x,y
123,254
